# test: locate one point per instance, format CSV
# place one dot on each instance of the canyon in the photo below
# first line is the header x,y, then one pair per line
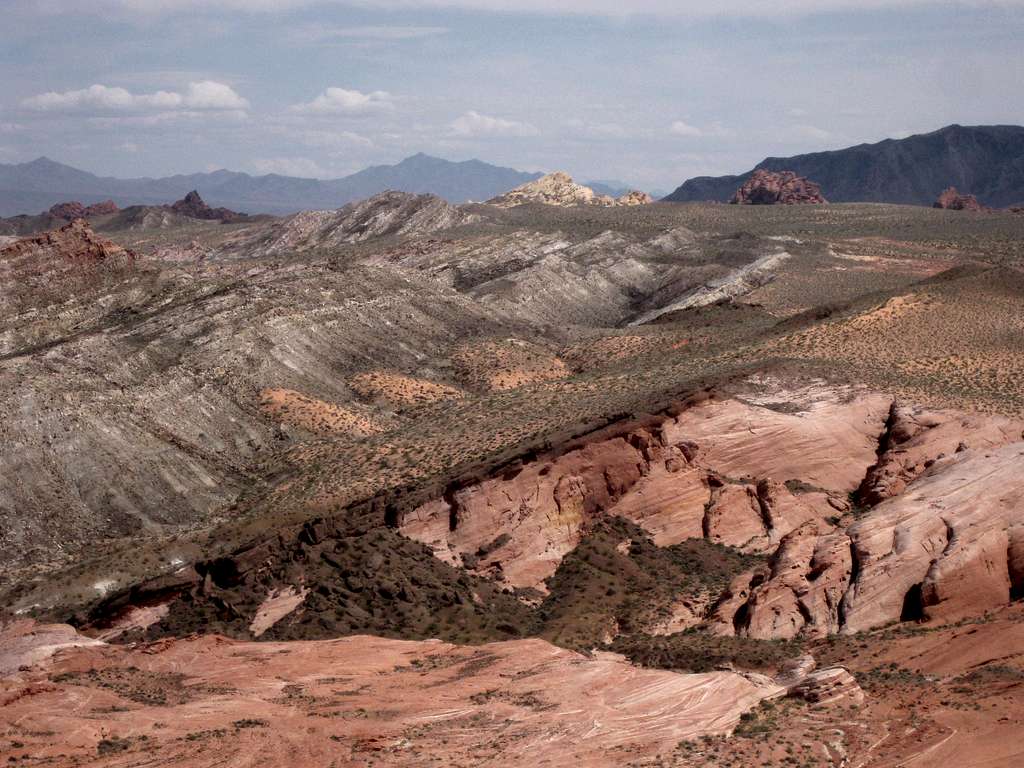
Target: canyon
x,y
411,483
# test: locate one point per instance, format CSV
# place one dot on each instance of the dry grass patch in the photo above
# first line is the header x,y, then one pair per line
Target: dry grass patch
x,y
316,416
399,389
507,364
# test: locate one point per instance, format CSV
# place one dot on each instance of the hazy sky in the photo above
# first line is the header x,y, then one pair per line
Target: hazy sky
x,y
650,92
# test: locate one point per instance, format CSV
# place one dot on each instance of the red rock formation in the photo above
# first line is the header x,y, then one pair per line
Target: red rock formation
x,y
516,528
75,210
193,206
777,188
74,242
952,200
207,700
948,548
917,437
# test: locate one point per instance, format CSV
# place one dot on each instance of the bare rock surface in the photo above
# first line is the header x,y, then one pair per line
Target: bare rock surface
x,y
387,214
823,436
24,644
917,437
777,188
949,547
559,189
207,700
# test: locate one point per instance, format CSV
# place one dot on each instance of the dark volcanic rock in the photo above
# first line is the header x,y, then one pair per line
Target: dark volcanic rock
x,y
193,206
75,210
782,188
952,200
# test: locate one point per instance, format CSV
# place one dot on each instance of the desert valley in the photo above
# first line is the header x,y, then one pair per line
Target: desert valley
x,y
363,403
556,476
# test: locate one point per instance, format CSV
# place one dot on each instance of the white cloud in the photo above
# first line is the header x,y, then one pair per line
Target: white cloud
x,y
679,128
209,94
473,123
130,147
204,95
342,101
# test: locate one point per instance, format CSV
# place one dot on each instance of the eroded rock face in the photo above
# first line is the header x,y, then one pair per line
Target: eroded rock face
x,y
708,472
777,188
513,703
952,200
75,210
799,594
949,547
74,242
917,437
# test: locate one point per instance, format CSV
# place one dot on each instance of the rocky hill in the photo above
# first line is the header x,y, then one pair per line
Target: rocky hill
x,y
559,189
987,160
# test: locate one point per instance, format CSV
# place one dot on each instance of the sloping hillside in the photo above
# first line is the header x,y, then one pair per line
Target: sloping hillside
x,y
986,161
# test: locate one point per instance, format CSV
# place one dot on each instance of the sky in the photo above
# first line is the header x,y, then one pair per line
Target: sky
x,y
649,92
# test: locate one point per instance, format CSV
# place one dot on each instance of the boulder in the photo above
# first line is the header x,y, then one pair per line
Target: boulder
x,y
952,200
824,686
777,188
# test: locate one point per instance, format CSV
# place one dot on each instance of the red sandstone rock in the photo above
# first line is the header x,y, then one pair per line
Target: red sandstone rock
x,y
951,546
918,437
358,700
75,210
777,188
952,200
74,242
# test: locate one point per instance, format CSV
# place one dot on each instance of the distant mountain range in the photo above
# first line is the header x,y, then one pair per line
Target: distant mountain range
x,y
35,186
986,161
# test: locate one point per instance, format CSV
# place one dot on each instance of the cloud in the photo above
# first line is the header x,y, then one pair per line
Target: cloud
x,y
209,94
679,128
474,124
204,95
342,101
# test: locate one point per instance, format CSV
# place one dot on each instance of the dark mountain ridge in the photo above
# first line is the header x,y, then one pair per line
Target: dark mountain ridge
x,y
35,186
986,161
